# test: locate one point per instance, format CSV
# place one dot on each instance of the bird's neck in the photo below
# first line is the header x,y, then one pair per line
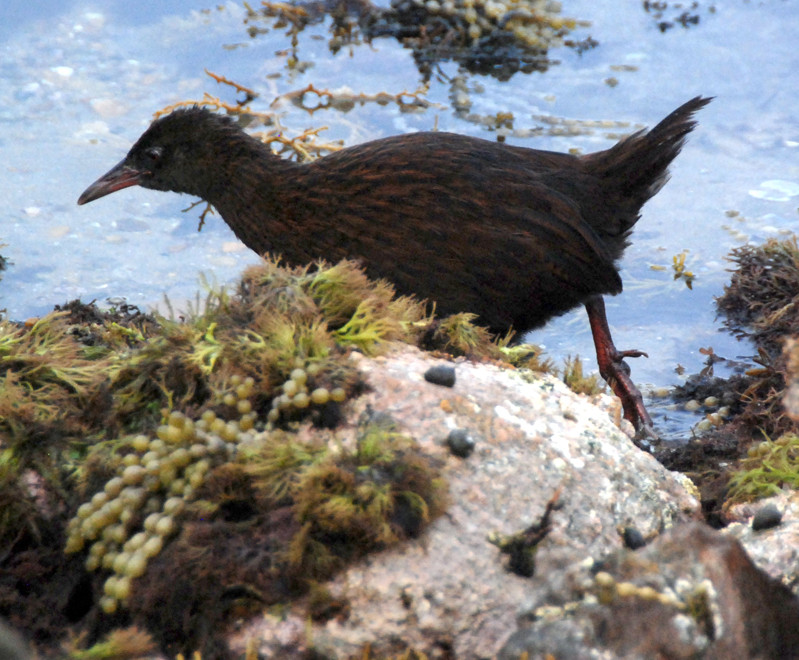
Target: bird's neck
x,y
249,192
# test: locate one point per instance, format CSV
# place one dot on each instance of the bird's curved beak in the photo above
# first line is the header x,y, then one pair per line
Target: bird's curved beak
x,y
118,177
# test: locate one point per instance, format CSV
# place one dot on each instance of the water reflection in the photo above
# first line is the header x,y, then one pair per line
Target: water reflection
x,y
82,81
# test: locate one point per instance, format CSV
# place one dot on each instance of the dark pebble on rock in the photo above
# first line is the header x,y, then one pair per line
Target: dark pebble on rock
x,y
633,539
460,443
767,517
440,375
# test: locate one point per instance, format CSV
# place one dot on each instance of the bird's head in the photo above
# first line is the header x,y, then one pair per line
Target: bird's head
x,y
175,153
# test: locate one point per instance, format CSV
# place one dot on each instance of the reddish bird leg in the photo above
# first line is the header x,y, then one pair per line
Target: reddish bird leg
x,y
615,371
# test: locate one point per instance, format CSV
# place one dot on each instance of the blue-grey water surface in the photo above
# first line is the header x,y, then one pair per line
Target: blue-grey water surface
x,y
80,82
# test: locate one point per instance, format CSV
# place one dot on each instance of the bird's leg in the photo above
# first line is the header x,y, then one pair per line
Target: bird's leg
x,y
615,371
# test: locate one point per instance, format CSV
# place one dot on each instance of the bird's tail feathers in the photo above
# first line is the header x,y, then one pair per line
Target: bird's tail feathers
x,y
639,164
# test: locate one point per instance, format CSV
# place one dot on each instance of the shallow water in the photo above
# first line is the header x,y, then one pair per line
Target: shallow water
x,y
80,83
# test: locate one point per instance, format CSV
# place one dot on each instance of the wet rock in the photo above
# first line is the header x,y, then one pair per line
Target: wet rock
x,y
767,517
440,375
449,593
633,539
460,443
12,646
774,550
692,593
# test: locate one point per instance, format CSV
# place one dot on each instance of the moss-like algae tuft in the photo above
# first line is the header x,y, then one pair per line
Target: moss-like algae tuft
x,y
154,472
769,467
158,452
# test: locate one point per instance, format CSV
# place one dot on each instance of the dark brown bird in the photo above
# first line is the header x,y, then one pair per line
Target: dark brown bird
x,y
514,235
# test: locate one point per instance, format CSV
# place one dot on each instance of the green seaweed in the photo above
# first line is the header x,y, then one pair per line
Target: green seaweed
x,y
121,644
769,467
200,410
577,381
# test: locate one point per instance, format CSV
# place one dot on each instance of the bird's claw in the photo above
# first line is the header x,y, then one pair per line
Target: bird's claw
x,y
620,355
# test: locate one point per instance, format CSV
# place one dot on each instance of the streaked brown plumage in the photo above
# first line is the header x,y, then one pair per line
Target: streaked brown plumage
x,y
515,235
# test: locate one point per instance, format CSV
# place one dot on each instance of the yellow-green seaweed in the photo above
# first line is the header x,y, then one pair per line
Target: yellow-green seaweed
x,y
577,381
121,644
769,467
132,440
127,523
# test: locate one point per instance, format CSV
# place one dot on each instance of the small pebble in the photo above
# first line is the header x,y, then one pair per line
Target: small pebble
x,y
440,375
767,517
460,443
633,539
704,425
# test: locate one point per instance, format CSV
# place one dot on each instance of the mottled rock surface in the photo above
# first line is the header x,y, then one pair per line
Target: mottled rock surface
x,y
693,593
774,550
448,594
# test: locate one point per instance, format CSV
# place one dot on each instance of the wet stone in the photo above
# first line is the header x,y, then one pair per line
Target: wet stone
x,y
460,443
440,375
633,539
767,517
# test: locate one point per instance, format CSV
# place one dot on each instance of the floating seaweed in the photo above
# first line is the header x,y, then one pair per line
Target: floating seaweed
x,y
493,37
684,15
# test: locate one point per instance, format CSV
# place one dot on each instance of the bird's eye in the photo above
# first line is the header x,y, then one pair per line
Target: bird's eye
x,y
152,156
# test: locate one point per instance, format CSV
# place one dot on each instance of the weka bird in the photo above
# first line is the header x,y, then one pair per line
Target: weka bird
x,y
514,235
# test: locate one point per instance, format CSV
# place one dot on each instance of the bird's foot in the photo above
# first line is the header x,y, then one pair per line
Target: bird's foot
x,y
616,371
617,374
620,355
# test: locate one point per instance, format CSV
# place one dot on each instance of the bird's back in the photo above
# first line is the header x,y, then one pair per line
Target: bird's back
x,y
471,224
